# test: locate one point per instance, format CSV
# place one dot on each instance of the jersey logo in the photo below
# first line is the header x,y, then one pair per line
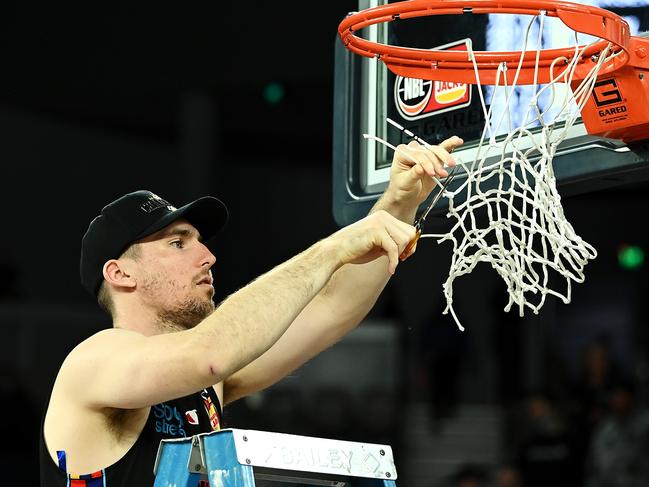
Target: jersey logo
x,y
210,409
192,417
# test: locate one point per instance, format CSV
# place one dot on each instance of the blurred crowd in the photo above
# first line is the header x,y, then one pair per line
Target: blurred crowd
x,y
595,434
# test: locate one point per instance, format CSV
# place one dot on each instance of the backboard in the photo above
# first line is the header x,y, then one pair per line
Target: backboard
x,y
366,94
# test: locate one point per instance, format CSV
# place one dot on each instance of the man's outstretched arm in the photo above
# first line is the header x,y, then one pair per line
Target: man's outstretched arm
x,y
123,369
353,289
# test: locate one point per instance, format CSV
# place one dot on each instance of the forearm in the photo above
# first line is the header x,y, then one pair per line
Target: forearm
x,y
337,309
352,292
250,321
364,282
370,250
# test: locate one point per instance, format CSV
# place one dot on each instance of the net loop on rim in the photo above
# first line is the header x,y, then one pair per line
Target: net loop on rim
x,y
508,211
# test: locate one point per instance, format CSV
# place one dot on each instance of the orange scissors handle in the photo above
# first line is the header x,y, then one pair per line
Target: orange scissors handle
x,y
410,246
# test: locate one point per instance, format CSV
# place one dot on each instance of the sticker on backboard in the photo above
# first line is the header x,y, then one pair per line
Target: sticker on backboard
x,y
417,98
611,106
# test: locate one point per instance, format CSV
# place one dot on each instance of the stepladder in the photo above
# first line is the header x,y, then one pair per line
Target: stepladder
x,y
247,458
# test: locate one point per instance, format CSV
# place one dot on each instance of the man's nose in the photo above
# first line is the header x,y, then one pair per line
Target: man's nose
x,y
207,259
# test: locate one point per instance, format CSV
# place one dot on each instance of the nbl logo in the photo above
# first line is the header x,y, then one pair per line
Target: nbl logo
x,y
412,96
416,98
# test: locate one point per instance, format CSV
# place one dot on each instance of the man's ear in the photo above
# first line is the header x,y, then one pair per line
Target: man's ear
x,y
117,275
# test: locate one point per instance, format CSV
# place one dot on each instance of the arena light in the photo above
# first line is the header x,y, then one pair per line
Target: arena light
x,y
630,257
274,93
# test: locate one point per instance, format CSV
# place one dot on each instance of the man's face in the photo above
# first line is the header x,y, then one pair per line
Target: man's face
x,y
173,275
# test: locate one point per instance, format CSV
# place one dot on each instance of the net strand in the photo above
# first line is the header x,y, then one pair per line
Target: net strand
x,y
511,185
527,239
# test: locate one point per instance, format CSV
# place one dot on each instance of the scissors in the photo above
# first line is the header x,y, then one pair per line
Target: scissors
x,y
420,221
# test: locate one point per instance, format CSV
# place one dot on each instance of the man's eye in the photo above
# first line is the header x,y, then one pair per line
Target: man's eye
x,y
177,243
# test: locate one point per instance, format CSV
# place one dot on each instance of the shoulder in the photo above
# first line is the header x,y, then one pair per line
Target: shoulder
x,y
90,353
105,340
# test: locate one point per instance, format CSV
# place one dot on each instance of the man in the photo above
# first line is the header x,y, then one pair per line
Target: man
x,y
171,359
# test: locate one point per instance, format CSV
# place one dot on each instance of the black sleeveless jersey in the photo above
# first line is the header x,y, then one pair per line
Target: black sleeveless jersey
x,y
186,416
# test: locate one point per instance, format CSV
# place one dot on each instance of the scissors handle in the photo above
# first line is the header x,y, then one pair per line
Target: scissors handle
x,y
410,246
420,221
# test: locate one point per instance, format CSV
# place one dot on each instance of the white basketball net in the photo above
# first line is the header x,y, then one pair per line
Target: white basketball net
x,y
510,214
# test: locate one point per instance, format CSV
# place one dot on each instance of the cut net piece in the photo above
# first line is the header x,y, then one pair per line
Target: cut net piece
x,y
510,214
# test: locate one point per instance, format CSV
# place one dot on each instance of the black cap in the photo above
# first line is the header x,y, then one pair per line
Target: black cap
x,y
135,216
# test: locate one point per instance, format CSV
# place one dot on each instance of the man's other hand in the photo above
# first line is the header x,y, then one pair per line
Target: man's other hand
x,y
372,237
414,166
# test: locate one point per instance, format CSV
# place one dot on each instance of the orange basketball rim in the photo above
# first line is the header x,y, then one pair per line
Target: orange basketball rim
x,y
619,105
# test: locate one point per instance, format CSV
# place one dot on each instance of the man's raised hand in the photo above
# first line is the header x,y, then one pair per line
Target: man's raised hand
x,y
414,166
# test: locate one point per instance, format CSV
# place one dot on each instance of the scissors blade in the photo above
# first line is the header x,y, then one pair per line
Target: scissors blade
x,y
421,219
446,184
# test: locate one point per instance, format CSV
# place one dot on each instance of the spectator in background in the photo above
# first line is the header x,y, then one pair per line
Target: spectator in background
x,y
619,450
599,372
589,402
542,450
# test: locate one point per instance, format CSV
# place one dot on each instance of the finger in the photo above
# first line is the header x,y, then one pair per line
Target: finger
x,y
422,161
431,157
405,155
401,231
452,143
410,232
401,236
415,173
442,158
438,155
429,161
392,251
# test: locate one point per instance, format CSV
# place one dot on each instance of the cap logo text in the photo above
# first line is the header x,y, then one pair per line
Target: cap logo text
x,y
154,202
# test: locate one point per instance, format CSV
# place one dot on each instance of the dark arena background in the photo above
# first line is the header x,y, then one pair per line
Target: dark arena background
x,y
235,100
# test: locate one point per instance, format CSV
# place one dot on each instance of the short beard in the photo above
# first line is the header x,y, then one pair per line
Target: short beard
x,y
186,316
